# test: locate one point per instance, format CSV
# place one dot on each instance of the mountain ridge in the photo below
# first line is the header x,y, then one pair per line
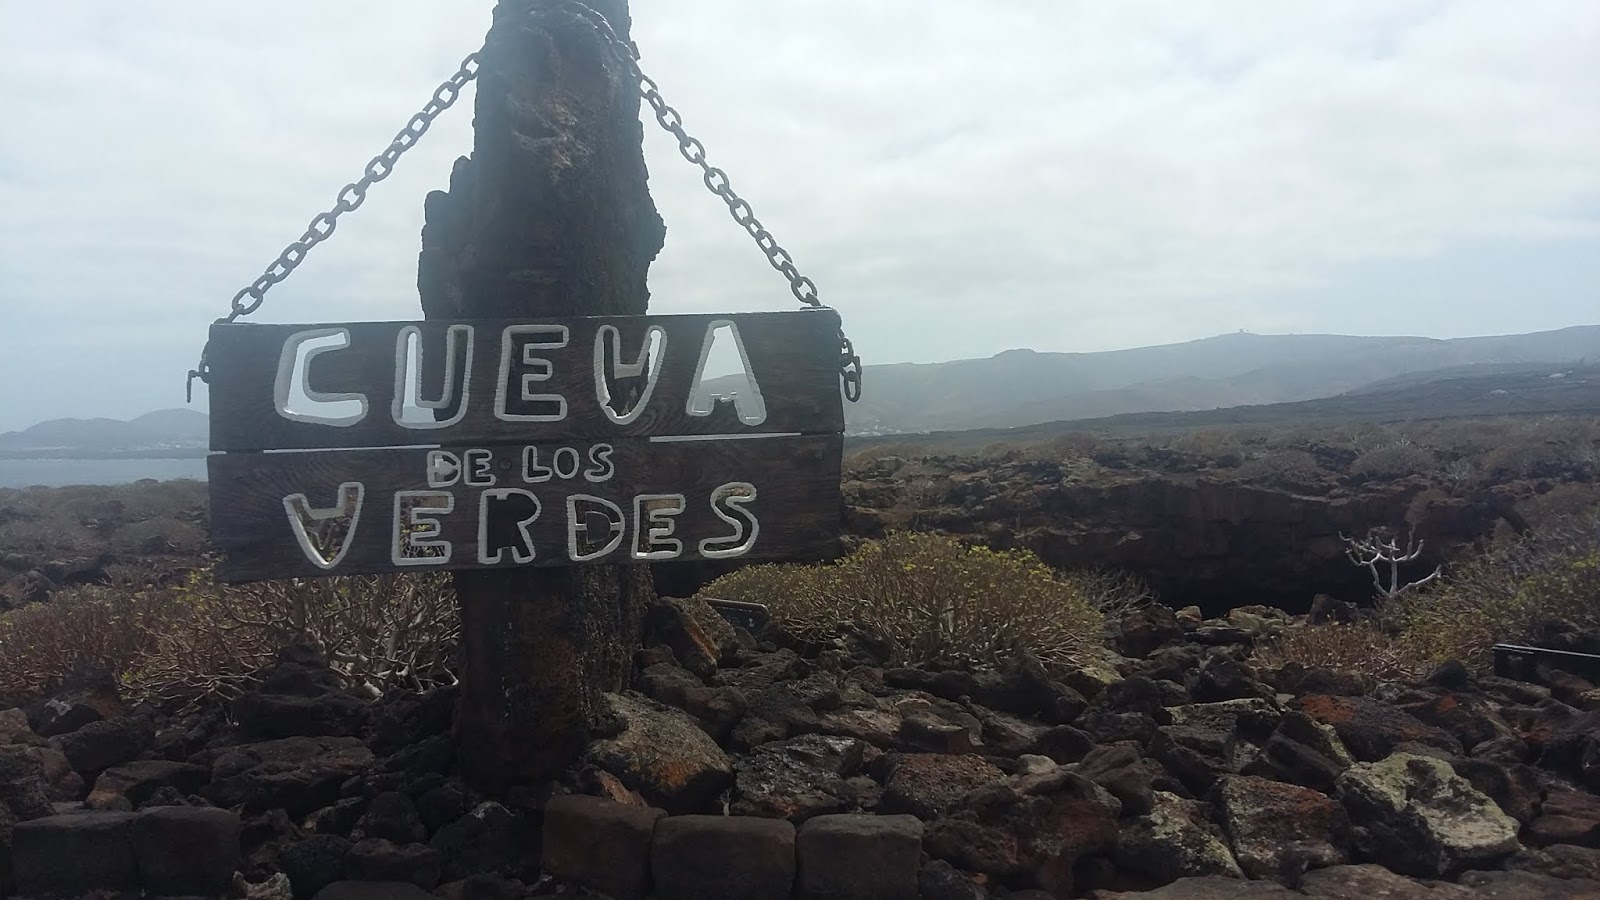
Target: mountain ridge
x,y
1015,388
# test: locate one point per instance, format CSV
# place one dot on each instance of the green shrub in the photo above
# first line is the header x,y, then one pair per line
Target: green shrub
x,y
937,600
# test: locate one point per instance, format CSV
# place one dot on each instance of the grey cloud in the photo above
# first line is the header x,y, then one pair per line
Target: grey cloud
x,y
959,177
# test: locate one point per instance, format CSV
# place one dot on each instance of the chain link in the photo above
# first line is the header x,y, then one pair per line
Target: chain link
x,y
349,199
351,196
716,181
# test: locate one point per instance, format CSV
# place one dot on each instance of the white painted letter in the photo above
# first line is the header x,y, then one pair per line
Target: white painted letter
x,y
477,464
600,459
444,468
293,385
521,546
579,520
348,507
651,350
409,409
415,530
653,526
734,495
519,372
745,394
532,471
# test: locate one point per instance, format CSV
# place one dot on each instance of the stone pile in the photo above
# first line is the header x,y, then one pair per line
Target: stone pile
x,y
754,768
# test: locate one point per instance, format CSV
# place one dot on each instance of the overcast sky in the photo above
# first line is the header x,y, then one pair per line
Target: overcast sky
x,y
959,177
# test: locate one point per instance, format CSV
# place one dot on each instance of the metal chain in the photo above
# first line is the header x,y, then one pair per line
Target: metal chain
x,y
716,180
349,199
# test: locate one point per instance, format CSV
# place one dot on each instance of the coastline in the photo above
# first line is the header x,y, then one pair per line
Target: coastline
x,y
19,473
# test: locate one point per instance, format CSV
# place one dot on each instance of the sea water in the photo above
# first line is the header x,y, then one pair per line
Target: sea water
x,y
56,472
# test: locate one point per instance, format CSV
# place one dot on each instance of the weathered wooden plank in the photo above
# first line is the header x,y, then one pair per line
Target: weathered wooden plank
x,y
792,357
760,498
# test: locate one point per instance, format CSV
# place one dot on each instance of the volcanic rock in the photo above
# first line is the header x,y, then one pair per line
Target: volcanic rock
x,y
1419,818
799,778
663,754
1028,831
1280,831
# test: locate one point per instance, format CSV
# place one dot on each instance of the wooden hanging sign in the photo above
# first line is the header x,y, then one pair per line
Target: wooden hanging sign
x,y
405,446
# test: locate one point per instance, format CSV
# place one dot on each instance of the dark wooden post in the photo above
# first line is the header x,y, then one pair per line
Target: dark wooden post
x,y
550,216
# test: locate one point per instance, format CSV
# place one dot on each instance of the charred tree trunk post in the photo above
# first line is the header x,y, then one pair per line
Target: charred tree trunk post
x,y
550,216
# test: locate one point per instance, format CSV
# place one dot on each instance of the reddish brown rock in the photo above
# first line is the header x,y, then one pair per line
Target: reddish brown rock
x,y
74,855
600,844
799,778
926,785
859,857
670,623
664,755
376,859
128,786
1028,831
723,858
1174,841
298,775
1472,720
1279,831
186,852
24,788
89,695
1373,730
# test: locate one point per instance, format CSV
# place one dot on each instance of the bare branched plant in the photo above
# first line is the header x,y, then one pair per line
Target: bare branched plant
x,y
919,496
201,640
1380,549
1361,647
1459,473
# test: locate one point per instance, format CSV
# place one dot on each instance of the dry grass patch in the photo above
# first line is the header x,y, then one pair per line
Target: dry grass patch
x,y
1365,648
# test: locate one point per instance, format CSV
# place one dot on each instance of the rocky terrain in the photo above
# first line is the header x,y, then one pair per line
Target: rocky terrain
x,y
1196,538
747,765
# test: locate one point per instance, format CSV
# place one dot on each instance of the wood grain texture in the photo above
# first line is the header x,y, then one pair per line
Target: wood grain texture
x,y
793,356
796,480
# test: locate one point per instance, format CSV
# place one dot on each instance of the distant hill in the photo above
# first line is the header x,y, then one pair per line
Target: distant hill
x,y
1020,388
167,433
1454,393
1023,387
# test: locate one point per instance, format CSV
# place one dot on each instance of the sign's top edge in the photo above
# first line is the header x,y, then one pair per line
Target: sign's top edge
x,y
534,320
503,442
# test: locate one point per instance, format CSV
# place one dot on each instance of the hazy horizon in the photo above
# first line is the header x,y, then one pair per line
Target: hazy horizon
x,y
200,408
967,180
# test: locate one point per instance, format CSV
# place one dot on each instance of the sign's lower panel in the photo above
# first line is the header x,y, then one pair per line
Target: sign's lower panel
x,y
348,512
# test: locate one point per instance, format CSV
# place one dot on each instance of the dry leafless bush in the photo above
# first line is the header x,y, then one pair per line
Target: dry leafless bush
x,y
1073,445
1503,594
1534,457
203,640
1396,460
862,461
1219,445
1361,647
935,600
917,497
1289,468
